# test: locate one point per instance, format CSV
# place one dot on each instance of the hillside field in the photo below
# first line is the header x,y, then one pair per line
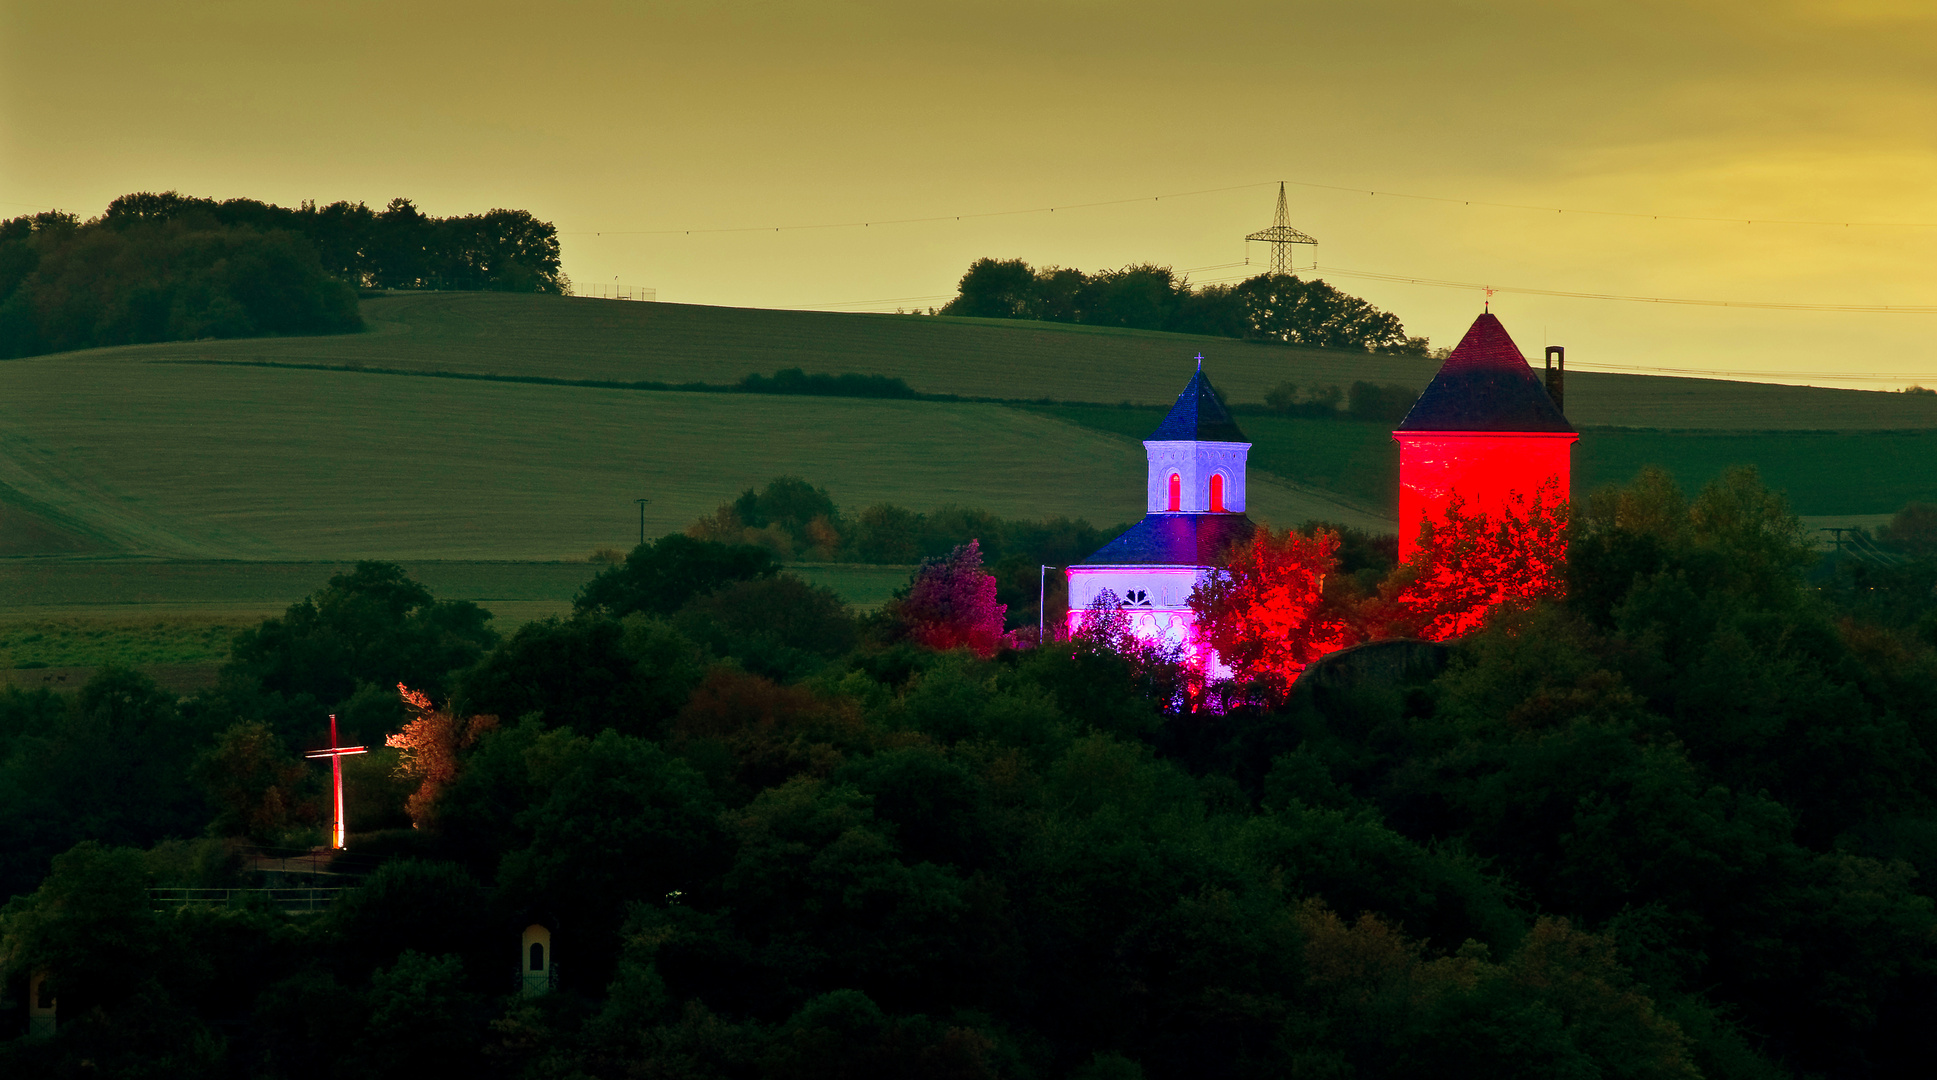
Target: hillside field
x,y
576,338
154,497
275,464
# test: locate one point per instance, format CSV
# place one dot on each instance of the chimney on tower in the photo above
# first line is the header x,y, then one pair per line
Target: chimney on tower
x,y
1557,377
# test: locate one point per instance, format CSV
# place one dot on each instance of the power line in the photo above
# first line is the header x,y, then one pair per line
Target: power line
x,y
1451,200
1218,266
885,300
1589,366
1623,213
1717,372
951,296
912,220
1870,309
1402,279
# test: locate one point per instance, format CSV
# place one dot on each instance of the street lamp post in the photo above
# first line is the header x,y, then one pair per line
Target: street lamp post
x,y
1042,600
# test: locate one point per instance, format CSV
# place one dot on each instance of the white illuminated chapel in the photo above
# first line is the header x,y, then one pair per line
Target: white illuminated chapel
x,y
1194,510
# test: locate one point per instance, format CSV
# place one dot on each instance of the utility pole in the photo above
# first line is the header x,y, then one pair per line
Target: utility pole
x,y
1042,600
1282,237
642,519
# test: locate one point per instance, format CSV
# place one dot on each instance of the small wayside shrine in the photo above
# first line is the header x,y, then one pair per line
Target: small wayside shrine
x,y
1194,503
1486,430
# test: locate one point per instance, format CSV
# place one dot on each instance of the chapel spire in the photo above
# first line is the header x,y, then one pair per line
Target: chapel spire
x,y
1198,416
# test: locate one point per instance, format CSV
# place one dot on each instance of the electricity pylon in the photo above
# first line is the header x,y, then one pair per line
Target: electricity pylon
x,y
1281,236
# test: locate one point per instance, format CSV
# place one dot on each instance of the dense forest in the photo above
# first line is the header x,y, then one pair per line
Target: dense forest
x,y
168,267
1268,307
1682,823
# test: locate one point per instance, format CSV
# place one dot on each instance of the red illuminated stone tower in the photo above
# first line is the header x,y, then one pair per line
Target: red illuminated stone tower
x,y
1484,429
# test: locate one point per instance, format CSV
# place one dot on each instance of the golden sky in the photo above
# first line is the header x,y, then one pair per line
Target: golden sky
x,y
621,118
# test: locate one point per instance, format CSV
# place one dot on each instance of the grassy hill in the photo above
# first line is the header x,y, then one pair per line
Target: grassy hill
x,y
560,337
190,478
274,464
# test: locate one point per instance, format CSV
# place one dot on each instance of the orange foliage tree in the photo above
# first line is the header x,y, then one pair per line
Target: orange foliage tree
x,y
429,746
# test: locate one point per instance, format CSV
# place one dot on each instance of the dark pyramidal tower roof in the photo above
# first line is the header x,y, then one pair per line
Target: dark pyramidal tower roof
x,y
1198,416
1485,385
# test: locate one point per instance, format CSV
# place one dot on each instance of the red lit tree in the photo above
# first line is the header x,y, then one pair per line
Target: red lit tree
x,y
429,746
1467,564
951,603
1267,613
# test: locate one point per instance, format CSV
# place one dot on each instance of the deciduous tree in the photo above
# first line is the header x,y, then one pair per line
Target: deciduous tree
x,y
659,576
1268,613
429,746
258,788
1469,564
951,603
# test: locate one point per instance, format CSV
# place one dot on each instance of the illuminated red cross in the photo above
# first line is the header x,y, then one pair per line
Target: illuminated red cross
x,y
336,754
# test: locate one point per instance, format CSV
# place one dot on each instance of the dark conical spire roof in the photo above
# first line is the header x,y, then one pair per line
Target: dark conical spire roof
x,y
1198,416
1485,385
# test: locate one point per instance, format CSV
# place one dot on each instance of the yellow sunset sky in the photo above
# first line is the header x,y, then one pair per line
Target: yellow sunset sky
x,y
621,120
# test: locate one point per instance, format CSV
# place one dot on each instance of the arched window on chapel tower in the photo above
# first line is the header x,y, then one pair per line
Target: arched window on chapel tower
x,y
1176,493
1217,493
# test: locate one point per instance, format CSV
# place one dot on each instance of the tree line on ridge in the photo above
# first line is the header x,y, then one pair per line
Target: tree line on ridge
x,y
1268,307
170,267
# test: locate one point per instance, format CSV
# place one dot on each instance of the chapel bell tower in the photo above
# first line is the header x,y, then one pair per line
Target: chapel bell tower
x,y
1194,503
1197,455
